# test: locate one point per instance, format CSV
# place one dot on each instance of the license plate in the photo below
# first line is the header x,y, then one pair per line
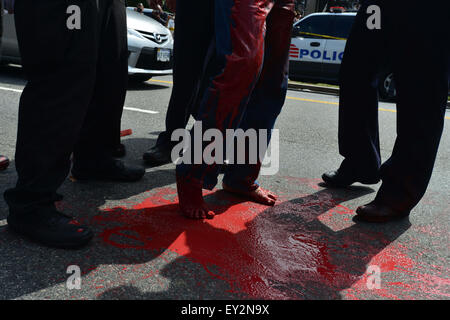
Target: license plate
x,y
163,55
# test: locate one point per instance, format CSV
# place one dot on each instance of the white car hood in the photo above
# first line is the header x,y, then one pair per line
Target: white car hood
x,y
138,21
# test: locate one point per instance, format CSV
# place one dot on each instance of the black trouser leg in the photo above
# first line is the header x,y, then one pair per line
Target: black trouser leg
x,y
60,65
421,77
101,129
421,109
358,104
193,34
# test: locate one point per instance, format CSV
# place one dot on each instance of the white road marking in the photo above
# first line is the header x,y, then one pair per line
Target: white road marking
x,y
140,110
10,89
125,108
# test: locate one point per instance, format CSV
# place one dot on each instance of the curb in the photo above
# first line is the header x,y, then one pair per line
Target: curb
x,y
320,89
314,88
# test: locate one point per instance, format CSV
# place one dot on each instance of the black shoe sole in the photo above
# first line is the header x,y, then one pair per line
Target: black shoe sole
x,y
60,245
377,219
330,183
363,218
155,163
119,152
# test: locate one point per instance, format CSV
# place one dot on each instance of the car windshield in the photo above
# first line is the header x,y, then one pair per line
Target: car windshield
x,y
342,26
315,26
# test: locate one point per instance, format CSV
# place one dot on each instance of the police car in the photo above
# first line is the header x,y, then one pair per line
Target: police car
x,y
317,49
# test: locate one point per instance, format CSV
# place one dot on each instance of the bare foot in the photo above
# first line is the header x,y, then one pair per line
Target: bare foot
x,y
259,195
191,201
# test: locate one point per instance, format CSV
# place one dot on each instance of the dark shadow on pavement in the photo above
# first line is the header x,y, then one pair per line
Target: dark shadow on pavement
x,y
281,252
12,74
137,147
285,252
28,267
145,86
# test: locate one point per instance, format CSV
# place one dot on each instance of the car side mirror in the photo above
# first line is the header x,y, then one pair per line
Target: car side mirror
x,y
296,32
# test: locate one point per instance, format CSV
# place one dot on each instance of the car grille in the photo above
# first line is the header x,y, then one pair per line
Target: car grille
x,y
147,60
158,38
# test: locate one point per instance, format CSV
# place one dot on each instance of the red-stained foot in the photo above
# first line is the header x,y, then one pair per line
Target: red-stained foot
x,y
191,201
259,195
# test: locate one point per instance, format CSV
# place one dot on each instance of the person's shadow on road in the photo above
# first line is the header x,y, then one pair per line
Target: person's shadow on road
x,y
284,252
246,252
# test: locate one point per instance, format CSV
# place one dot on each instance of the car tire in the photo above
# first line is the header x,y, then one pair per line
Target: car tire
x,y
386,87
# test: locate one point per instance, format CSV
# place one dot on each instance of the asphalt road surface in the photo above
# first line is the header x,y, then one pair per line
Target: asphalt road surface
x,y
306,247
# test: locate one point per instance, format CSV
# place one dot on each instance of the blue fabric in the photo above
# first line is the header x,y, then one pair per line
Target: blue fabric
x,y
260,95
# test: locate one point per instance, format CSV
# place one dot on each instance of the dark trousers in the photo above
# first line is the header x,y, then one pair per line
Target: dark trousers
x,y
416,48
245,82
74,97
193,33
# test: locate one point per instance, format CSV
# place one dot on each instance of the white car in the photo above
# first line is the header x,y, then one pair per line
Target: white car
x,y
150,46
317,48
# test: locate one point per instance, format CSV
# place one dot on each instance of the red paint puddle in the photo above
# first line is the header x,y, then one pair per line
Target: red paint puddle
x,y
295,250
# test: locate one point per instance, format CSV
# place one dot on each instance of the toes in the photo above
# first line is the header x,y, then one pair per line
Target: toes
x,y
210,214
273,197
268,195
198,214
207,214
267,198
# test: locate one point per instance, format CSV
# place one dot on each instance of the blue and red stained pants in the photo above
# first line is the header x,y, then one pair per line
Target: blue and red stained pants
x,y
245,81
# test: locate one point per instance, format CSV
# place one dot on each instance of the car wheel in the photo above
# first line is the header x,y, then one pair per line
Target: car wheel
x,y
139,78
386,87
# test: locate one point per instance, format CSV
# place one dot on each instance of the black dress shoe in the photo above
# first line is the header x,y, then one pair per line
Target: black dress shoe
x,y
158,155
108,170
4,163
379,213
342,179
119,151
51,228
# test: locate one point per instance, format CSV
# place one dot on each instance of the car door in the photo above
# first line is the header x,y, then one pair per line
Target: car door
x,y
307,46
334,47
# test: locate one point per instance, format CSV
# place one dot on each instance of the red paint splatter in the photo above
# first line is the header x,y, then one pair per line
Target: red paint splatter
x,y
294,250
